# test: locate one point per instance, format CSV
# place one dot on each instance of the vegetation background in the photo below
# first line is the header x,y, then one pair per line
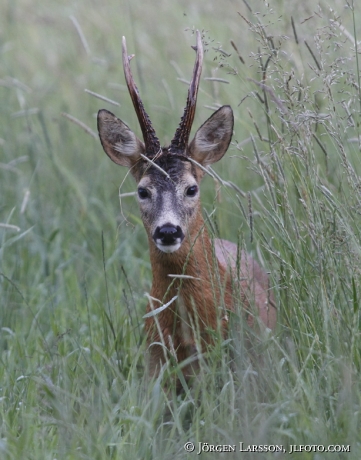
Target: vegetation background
x,y
74,262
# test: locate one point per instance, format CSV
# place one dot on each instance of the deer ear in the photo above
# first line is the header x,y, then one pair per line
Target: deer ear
x,y
118,141
212,139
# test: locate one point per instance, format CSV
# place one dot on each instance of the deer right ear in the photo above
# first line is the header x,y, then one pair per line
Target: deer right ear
x,y
118,141
212,139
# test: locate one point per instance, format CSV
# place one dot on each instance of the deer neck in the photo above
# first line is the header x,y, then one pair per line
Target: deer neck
x,y
197,276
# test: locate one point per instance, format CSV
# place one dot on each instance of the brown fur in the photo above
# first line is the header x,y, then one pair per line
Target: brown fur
x,y
198,310
254,283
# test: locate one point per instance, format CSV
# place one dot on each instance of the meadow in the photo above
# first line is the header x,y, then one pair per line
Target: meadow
x,y
74,259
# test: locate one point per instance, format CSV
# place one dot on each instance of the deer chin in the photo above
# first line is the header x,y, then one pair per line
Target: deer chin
x,y
168,248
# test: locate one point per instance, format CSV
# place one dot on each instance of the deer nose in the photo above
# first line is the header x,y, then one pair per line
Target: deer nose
x,y
168,234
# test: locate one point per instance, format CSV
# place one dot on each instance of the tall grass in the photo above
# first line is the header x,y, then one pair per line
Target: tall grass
x,y
74,261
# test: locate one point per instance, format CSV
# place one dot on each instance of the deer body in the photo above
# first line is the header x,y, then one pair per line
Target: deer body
x,y
186,266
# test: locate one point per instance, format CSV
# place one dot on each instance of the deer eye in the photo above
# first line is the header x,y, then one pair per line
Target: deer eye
x,y
192,191
143,193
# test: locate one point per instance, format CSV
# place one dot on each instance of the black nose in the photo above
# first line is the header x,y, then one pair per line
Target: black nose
x,y
168,234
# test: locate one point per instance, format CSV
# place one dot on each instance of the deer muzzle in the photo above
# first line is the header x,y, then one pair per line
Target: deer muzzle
x,y
168,238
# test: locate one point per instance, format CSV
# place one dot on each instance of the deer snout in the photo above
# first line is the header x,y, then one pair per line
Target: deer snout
x,y
168,237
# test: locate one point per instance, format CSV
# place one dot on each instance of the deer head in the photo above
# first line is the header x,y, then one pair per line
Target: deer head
x,y
168,178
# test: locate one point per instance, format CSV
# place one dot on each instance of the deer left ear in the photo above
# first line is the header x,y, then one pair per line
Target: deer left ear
x,y
212,139
119,142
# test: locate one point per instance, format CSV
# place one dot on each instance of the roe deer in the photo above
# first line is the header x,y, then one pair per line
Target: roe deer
x,y
190,273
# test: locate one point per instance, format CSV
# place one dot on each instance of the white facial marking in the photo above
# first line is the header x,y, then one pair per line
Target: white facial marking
x,y
167,215
167,248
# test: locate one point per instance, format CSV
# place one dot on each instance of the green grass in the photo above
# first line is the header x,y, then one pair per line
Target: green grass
x,y
75,266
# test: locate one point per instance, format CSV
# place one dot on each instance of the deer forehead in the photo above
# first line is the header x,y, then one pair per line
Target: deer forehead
x,y
173,178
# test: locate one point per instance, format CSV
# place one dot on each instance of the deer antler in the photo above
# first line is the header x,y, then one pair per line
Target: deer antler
x,y
180,139
152,145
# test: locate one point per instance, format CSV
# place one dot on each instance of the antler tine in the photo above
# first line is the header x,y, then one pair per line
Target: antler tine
x,y
180,139
152,145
